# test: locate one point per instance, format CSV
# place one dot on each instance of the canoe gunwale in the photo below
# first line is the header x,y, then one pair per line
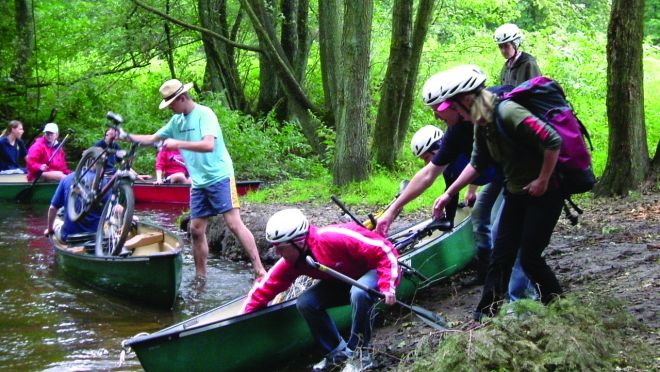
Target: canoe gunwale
x,y
179,330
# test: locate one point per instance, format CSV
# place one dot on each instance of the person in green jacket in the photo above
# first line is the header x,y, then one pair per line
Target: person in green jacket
x,y
519,66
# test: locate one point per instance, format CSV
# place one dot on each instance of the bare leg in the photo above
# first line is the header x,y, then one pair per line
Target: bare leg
x,y
199,245
178,178
245,237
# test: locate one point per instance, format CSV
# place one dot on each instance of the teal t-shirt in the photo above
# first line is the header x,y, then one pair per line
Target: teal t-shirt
x,y
205,168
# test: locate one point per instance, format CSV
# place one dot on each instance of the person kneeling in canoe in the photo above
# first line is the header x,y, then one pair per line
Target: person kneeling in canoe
x,y
347,248
63,230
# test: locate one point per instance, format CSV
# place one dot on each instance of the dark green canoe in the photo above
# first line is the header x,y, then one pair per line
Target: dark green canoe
x,y
150,276
12,184
222,339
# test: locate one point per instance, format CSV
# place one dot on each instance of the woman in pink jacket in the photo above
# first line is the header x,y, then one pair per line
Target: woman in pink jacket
x,y
347,248
170,167
41,150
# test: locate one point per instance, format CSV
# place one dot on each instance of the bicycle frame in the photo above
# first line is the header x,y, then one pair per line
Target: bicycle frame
x,y
122,174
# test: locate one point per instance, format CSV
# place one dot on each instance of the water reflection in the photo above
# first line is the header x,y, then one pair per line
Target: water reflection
x,y
52,323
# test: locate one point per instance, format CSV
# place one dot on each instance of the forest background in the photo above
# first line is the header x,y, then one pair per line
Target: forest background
x,y
316,96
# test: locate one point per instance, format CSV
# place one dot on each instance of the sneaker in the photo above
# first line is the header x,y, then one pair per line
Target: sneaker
x,y
361,361
330,362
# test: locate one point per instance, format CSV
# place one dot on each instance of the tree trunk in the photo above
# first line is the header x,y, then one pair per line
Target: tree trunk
x,y
385,146
423,18
628,156
271,95
24,42
221,67
169,53
351,153
330,26
302,109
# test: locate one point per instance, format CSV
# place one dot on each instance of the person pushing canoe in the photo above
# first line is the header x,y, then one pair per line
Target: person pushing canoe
x,y
347,248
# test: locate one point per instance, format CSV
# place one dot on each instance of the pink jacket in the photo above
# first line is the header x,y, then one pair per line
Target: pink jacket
x,y
347,248
39,153
166,161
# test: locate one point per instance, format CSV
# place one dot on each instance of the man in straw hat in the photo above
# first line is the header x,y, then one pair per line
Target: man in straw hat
x,y
195,131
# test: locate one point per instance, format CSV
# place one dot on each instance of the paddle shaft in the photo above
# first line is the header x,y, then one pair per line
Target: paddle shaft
x,y
422,313
52,156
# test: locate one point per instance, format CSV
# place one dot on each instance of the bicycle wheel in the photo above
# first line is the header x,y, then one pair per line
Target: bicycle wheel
x,y
115,222
85,184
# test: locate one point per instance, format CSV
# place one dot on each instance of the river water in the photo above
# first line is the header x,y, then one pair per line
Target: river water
x,y
48,322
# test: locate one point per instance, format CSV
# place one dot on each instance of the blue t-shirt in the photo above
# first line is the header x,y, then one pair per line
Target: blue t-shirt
x,y
205,168
455,151
112,158
59,200
10,155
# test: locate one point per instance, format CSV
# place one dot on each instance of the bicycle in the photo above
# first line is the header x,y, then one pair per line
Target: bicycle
x,y
92,186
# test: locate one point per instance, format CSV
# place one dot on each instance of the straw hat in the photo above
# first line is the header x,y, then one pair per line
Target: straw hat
x,y
172,89
51,127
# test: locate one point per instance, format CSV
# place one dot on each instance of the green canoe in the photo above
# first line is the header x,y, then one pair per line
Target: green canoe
x,y
223,340
12,184
151,275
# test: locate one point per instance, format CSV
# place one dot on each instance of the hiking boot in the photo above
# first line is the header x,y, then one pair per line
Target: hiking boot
x,y
361,361
330,362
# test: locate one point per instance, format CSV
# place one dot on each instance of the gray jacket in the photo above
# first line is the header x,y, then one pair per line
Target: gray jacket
x,y
522,70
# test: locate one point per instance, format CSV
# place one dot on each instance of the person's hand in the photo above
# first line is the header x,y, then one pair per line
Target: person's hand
x,y
390,298
48,232
383,223
171,144
470,198
439,205
123,135
537,187
43,167
158,182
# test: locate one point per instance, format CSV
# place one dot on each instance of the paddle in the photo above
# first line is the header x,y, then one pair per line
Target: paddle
x,y
432,319
26,194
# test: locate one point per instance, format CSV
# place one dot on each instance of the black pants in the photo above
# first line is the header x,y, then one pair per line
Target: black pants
x,y
526,224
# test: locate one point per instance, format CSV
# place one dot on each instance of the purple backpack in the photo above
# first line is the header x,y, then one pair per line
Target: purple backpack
x,y
544,98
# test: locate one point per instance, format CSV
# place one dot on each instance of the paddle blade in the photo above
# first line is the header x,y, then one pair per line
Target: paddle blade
x,y
432,319
25,195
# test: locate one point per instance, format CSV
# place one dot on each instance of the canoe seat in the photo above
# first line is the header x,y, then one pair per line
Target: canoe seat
x,y
141,240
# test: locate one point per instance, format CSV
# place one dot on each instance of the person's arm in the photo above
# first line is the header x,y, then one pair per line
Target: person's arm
x,y
278,279
466,177
207,144
50,220
144,139
539,186
422,180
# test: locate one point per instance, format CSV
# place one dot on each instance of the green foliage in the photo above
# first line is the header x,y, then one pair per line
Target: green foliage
x,y
265,148
581,332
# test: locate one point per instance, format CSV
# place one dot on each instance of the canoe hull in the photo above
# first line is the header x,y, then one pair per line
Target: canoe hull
x,y
11,185
151,279
279,331
178,193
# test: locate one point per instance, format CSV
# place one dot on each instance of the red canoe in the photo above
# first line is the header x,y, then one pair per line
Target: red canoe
x,y
178,193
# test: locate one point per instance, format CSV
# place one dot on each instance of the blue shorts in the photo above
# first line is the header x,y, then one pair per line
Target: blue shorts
x,y
218,198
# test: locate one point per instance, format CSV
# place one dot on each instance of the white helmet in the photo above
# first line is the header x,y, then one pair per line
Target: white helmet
x,y
444,85
286,225
508,33
424,138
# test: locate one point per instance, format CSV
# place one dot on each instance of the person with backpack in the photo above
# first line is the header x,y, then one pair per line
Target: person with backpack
x,y
532,200
519,66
